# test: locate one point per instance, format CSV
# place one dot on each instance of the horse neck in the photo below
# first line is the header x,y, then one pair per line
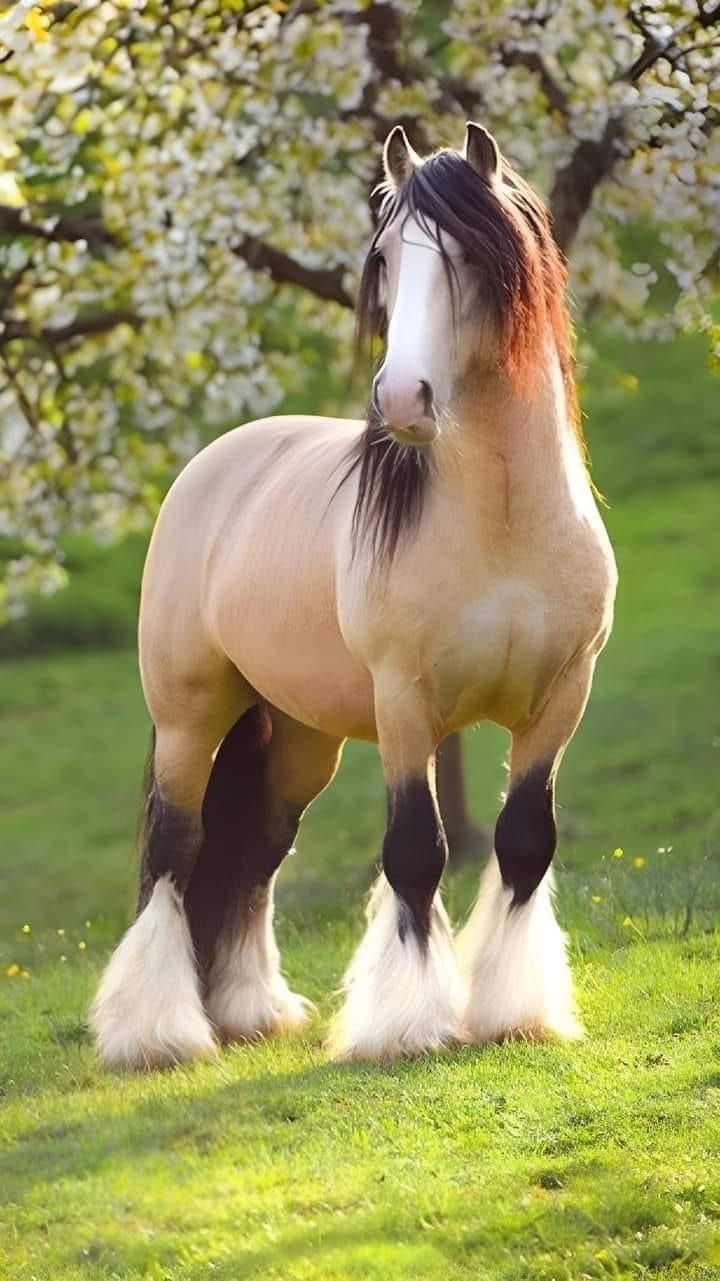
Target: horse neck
x,y
504,444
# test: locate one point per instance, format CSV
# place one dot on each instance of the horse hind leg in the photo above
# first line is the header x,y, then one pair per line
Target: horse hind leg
x,y
268,769
512,950
148,1010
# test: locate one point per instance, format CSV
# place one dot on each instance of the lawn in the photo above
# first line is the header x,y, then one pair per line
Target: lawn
x,y
511,1163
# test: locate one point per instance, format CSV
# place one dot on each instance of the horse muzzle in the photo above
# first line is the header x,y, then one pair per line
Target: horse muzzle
x,y
406,411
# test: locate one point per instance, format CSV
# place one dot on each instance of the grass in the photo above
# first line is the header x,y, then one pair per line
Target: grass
x,y
511,1163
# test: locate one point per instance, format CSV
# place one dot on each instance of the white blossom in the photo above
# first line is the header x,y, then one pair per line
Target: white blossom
x,y
141,145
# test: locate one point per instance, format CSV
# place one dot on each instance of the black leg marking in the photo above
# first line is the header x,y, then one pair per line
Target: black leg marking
x,y
525,835
414,855
169,839
248,832
172,842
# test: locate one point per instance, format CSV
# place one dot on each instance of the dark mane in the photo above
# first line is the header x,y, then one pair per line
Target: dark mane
x,y
505,233
392,480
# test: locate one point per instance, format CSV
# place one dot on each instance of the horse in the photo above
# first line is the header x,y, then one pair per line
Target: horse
x,y
312,579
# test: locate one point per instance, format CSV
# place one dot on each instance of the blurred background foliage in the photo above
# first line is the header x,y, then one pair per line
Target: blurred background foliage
x,y
184,202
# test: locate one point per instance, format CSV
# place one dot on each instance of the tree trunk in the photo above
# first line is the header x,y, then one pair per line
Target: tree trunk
x,y
466,839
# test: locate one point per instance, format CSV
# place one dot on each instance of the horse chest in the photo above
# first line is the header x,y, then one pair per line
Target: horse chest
x,y
497,654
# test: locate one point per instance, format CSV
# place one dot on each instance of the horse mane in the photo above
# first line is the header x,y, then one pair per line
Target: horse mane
x,y
392,481
505,232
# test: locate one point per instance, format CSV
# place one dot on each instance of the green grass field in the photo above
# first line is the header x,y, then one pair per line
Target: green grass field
x,y
510,1163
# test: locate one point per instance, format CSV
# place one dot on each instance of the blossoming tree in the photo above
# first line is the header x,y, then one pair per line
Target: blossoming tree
x,y
177,179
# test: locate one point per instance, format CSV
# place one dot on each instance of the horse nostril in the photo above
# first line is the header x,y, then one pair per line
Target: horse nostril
x,y
427,393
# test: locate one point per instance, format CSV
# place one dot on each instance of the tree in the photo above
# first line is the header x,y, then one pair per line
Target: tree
x,y
174,175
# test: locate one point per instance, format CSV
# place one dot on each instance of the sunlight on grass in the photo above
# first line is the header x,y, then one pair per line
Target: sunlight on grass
x,y
271,1162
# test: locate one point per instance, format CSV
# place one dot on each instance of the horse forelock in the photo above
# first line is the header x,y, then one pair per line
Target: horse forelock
x,y
504,231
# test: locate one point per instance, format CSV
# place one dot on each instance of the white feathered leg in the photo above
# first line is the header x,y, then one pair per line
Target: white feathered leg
x,y
515,965
148,1011
247,995
401,998
514,958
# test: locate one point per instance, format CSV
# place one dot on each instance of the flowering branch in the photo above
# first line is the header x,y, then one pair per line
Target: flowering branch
x,y
56,227
85,326
324,282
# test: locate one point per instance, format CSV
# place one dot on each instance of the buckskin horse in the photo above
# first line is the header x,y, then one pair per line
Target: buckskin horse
x,y
314,579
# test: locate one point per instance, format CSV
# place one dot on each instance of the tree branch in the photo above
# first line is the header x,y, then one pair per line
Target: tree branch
x,y
594,159
86,326
70,226
574,185
666,46
386,37
22,398
324,282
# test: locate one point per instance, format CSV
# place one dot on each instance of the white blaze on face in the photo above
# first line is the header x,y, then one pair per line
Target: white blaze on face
x,y
419,351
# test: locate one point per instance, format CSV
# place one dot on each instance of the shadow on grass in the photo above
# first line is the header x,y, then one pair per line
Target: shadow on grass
x,y
592,1217
184,1116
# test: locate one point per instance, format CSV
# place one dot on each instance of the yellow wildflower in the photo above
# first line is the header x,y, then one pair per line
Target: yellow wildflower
x,y
597,898
12,970
26,928
82,945
638,863
618,853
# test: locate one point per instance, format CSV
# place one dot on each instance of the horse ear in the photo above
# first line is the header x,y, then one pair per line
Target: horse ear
x,y
399,158
481,151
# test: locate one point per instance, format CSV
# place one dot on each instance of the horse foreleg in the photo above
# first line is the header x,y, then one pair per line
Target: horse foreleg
x,y
402,991
512,950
